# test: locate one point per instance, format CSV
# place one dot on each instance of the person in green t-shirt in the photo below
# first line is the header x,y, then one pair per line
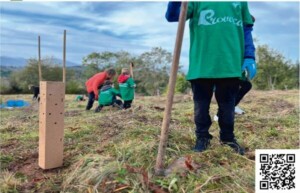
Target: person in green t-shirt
x,y
245,84
80,98
108,96
126,85
216,60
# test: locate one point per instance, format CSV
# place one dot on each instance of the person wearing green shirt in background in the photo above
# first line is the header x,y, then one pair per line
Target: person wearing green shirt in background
x,y
216,60
126,85
108,96
80,98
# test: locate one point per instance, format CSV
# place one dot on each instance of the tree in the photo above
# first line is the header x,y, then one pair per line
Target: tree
x,y
181,84
51,71
151,68
274,71
153,71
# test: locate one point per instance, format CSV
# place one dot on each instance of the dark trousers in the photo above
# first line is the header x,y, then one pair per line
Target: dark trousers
x,y
127,104
225,92
36,92
244,87
118,103
115,102
90,101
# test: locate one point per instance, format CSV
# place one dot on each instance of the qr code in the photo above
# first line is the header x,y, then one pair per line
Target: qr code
x,y
276,170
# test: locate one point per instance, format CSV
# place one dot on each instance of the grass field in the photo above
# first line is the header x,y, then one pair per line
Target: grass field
x,y
115,151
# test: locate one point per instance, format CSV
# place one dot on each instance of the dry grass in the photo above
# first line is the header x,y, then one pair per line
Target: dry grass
x,y
115,151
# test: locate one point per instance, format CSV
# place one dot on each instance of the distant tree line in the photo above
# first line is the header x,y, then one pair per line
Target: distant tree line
x,y
275,71
19,81
151,72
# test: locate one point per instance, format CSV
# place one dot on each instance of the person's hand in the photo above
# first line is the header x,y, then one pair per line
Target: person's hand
x,y
249,66
131,64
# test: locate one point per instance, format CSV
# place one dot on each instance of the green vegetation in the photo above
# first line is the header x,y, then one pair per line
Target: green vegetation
x,y
115,151
275,71
151,72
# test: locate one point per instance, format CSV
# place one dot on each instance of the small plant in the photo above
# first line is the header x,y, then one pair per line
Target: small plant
x,y
5,160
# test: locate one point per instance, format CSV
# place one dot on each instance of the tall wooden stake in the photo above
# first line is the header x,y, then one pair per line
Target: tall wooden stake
x,y
51,119
39,62
64,58
172,81
131,69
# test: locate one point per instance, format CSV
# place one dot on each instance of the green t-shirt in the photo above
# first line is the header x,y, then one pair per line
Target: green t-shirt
x,y
127,89
79,98
216,38
106,96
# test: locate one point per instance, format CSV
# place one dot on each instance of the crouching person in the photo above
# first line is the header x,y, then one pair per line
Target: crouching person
x,y
127,85
108,96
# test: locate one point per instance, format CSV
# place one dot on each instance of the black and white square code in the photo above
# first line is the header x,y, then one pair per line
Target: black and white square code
x,y
277,170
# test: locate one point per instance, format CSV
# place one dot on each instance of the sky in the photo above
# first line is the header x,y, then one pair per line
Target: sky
x,y
135,27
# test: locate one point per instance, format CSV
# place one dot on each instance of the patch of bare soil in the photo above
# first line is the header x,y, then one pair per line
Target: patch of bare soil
x,y
9,146
283,107
157,108
27,165
73,113
250,155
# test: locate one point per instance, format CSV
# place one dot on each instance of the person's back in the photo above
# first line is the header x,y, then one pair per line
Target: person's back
x,y
94,84
126,86
107,94
99,77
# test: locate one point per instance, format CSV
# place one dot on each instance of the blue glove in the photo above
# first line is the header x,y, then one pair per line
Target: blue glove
x,y
249,66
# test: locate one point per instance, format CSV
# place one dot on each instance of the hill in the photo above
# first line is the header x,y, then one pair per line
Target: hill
x,y
21,62
6,71
115,151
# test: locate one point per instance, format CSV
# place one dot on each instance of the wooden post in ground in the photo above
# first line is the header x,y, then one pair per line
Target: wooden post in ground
x,y
131,69
159,167
64,57
39,60
51,120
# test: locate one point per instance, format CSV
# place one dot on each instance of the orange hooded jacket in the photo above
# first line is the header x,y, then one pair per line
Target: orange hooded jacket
x,y
94,82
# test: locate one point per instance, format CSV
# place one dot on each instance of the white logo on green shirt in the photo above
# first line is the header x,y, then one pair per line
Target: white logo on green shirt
x,y
207,18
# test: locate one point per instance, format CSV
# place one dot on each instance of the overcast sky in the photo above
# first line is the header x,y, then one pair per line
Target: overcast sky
x,y
135,27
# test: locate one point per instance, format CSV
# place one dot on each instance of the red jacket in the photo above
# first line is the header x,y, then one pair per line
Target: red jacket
x,y
94,82
122,78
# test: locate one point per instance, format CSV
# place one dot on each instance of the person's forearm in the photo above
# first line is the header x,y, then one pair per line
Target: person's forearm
x,y
249,45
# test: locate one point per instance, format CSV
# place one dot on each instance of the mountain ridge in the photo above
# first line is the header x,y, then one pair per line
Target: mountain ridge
x,y
21,62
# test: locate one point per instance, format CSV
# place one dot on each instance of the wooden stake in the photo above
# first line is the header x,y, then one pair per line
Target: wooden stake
x,y
64,58
172,81
131,69
39,61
